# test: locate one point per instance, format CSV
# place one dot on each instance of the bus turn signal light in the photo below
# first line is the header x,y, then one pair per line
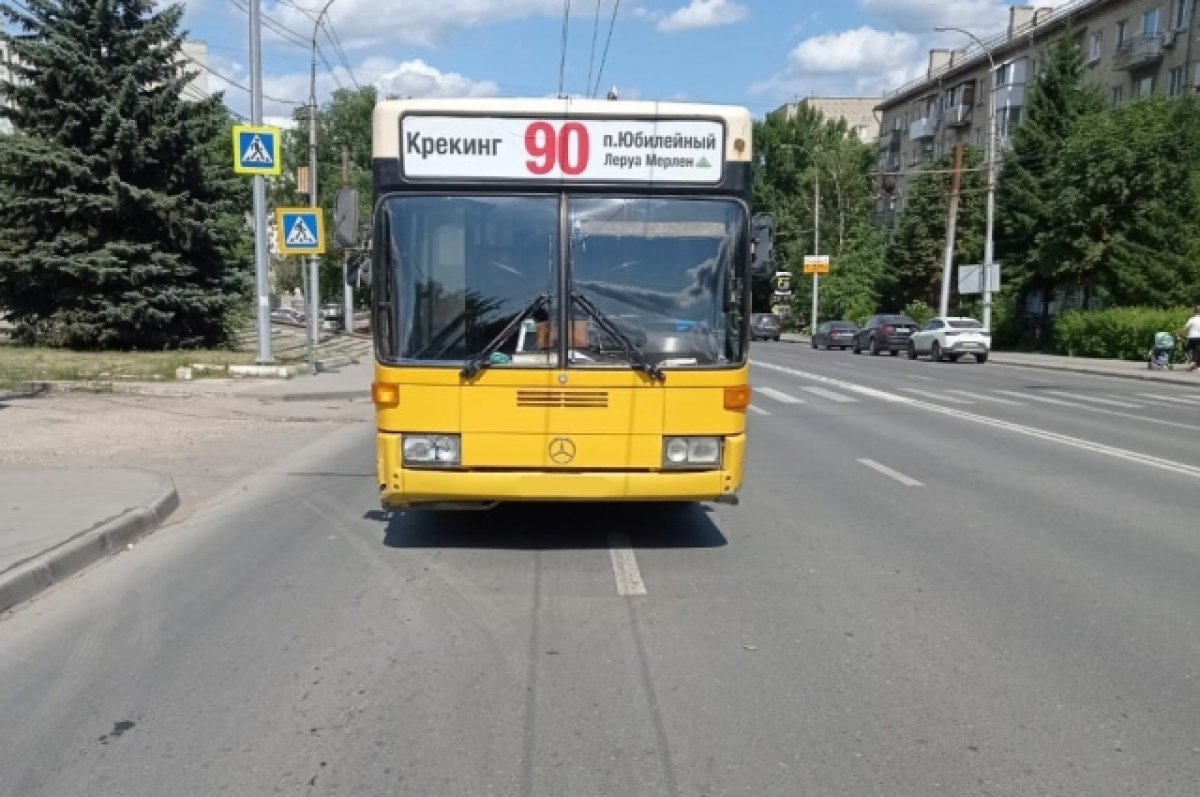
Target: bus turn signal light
x,y
385,395
737,397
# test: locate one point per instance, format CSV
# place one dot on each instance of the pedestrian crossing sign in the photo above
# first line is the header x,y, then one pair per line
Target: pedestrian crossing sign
x,y
300,231
256,150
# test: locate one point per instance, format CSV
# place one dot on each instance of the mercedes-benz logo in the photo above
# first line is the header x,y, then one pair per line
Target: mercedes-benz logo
x,y
562,450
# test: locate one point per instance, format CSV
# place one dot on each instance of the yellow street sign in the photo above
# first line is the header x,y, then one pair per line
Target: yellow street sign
x,y
816,264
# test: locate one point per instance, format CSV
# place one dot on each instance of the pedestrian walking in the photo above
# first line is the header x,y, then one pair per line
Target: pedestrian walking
x,y
1191,331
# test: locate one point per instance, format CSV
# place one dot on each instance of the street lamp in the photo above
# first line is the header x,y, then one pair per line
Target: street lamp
x,y
988,246
314,302
816,283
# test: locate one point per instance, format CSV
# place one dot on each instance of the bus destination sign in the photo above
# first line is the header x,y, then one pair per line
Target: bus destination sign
x,y
582,150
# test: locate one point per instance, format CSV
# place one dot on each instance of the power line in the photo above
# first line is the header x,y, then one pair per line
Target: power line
x,y
237,85
592,57
334,39
607,41
562,61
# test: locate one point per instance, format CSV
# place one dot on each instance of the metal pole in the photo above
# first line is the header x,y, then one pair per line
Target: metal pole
x,y
988,242
812,322
988,246
259,195
314,278
348,291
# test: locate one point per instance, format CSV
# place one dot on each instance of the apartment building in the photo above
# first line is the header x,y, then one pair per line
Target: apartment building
x,y
1133,48
857,112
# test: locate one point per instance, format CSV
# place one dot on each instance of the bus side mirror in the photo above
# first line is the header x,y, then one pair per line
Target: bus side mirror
x,y
345,218
762,245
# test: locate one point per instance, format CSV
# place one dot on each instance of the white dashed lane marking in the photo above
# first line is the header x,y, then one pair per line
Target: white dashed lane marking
x,y
778,395
907,481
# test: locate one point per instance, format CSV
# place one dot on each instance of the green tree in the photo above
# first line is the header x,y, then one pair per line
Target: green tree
x,y
343,122
1059,102
120,222
1127,203
916,256
793,154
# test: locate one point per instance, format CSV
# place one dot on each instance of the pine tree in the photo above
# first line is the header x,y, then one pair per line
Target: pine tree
x,y
119,222
916,256
1057,103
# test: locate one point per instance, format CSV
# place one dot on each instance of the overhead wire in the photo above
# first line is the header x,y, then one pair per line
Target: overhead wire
x,y
332,36
607,40
562,61
592,58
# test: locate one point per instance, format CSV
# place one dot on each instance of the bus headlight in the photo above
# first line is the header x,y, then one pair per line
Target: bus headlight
x,y
691,452
431,450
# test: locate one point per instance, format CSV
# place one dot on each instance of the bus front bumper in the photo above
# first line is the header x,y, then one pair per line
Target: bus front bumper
x,y
402,488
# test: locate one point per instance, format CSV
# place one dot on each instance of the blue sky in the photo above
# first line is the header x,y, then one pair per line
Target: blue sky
x,y
757,53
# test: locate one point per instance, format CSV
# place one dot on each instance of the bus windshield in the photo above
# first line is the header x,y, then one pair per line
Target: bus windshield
x,y
665,274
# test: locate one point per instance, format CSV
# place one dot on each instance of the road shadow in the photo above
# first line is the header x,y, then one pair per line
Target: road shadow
x,y
567,526
31,390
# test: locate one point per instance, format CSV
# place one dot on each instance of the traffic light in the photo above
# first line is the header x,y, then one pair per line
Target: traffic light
x,y
762,244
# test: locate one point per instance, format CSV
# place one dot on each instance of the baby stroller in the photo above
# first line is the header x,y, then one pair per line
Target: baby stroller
x,y
1160,355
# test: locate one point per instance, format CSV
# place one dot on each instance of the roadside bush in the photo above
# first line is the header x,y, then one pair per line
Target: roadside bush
x,y
1123,333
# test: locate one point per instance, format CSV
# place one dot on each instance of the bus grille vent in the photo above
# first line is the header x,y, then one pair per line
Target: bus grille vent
x,y
597,399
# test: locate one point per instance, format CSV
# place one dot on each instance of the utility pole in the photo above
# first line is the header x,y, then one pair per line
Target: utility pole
x,y
812,322
951,225
314,277
348,291
259,195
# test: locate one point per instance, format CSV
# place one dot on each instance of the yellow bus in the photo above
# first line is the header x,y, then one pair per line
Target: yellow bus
x,y
560,300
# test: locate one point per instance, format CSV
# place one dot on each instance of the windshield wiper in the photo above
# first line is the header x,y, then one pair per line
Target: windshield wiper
x,y
483,359
637,359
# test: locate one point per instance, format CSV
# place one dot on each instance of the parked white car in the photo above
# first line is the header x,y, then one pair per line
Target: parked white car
x,y
948,338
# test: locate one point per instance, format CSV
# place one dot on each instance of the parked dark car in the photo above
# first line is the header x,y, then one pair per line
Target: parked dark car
x,y
834,334
884,332
765,326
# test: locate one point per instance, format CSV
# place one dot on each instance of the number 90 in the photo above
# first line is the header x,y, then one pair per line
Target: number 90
x,y
566,148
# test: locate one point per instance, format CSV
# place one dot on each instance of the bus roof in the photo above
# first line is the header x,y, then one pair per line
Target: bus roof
x,y
735,121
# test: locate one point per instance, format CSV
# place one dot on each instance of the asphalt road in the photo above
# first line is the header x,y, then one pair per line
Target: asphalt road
x,y
986,592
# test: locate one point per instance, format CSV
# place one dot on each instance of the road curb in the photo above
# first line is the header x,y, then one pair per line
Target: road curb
x,y
30,578
1149,376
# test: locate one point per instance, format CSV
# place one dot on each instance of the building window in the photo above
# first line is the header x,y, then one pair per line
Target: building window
x,y
1150,23
1116,95
1007,120
1096,49
1179,18
1143,87
1175,86
1122,32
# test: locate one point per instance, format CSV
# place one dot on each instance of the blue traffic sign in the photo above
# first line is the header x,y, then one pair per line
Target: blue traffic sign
x,y
301,231
256,150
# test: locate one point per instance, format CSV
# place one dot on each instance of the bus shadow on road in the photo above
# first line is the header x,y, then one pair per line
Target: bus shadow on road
x,y
558,527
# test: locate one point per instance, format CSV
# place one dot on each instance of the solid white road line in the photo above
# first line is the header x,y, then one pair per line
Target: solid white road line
x,y
778,395
829,394
982,397
758,410
1095,399
1148,460
937,396
625,566
894,474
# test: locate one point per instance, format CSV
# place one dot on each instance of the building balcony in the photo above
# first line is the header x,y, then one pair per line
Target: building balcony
x,y
958,116
922,129
1010,95
891,139
1139,52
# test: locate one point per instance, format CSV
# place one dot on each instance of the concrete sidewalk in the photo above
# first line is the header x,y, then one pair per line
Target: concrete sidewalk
x,y
54,522
1121,369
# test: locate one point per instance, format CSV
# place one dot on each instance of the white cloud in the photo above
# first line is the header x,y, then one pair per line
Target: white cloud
x,y
428,23
981,17
864,61
702,14
282,92
416,78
